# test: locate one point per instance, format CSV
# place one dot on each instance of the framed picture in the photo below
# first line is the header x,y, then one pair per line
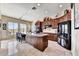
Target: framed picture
x,y
4,26
76,16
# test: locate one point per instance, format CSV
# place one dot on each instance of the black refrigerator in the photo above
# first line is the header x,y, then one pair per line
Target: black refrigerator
x,y
64,34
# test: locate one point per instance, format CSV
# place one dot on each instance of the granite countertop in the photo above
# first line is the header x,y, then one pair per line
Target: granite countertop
x,y
37,34
50,33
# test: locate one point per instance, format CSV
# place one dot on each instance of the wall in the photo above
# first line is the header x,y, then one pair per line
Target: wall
x,y
75,37
0,14
5,34
0,11
33,26
0,27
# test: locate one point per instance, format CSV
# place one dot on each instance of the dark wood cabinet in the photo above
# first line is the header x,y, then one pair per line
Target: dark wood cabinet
x,y
40,43
54,22
38,26
66,17
47,22
55,37
52,36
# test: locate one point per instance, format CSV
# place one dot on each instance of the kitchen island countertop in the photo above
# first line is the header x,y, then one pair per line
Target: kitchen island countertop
x,y
37,34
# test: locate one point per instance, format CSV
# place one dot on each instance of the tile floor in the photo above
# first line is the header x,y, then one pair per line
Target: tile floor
x,y
14,48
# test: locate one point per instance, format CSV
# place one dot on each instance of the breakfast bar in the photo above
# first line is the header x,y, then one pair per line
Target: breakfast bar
x,y
38,41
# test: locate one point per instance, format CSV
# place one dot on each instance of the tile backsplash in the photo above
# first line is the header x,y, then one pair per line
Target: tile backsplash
x,y
50,30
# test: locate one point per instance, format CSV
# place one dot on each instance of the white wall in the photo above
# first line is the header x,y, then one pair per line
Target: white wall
x,y
75,37
0,23
33,26
0,14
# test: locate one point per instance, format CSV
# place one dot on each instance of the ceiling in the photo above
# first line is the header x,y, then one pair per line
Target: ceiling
x,y
25,11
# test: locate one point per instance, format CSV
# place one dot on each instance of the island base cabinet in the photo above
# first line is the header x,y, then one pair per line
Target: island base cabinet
x,y
40,43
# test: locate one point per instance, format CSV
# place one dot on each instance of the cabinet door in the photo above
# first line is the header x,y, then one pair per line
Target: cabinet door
x,y
52,23
45,42
56,23
51,37
55,37
39,44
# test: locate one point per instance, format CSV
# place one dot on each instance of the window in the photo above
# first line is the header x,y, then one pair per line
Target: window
x,y
15,27
12,27
28,27
23,28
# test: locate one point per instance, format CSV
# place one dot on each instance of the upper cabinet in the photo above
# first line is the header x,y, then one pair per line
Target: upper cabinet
x,y
50,22
56,21
38,26
47,21
66,17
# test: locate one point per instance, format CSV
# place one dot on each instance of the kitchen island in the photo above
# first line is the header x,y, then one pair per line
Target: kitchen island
x,y
39,40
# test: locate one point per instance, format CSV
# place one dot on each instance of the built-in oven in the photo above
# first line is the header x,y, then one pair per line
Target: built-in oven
x,y
64,34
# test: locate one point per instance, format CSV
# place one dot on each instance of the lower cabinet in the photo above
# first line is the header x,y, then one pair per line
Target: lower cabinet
x,y
38,42
52,37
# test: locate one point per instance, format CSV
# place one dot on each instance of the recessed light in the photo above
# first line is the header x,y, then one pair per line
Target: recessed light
x,y
38,4
33,8
60,6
